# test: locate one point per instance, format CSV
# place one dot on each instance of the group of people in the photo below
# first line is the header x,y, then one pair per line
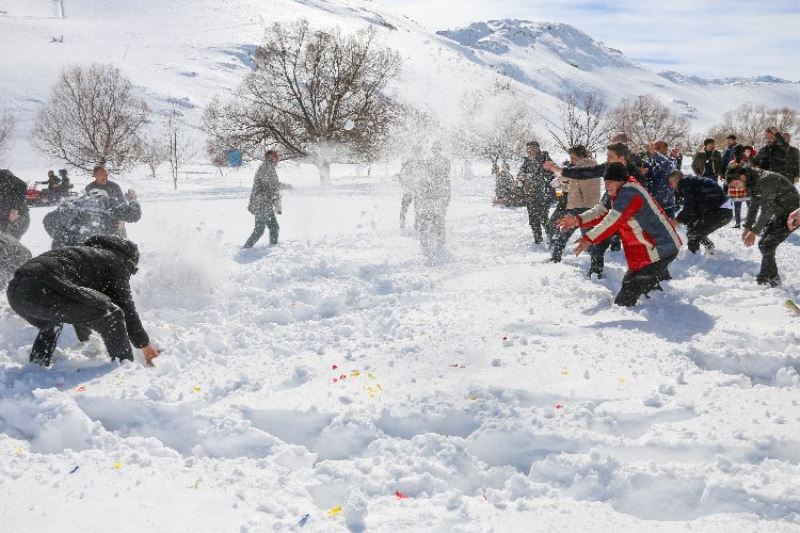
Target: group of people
x,y
58,186
634,199
84,280
644,196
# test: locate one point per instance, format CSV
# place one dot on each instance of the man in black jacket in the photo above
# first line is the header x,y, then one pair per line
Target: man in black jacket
x,y
704,208
535,180
14,214
114,192
772,199
792,158
82,285
774,155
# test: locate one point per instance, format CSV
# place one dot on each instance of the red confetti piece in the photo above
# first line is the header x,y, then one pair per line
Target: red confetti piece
x,y
343,376
559,406
505,338
82,388
335,380
400,495
334,367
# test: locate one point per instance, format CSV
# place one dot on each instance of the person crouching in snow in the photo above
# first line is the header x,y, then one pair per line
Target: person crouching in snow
x,y
648,237
82,285
704,208
773,198
265,200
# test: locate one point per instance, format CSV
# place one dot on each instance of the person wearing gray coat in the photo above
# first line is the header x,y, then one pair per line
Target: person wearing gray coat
x,y
265,201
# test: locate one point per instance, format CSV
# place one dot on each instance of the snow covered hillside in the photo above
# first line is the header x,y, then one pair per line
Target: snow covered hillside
x,y
323,377
183,52
556,58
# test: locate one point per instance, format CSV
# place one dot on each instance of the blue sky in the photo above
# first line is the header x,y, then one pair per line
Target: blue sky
x,y
709,38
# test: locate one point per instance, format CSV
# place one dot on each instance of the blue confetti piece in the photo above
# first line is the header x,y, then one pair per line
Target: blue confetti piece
x,y
74,470
304,520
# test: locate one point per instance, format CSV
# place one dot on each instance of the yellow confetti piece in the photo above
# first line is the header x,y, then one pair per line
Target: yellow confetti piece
x,y
196,388
621,379
335,510
17,450
355,374
370,375
473,397
564,372
371,392
195,486
117,466
379,387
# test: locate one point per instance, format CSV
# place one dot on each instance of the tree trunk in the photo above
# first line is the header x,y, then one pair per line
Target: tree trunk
x,y
324,173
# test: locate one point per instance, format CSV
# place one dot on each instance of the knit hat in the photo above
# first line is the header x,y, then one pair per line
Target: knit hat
x,y
123,247
616,172
751,175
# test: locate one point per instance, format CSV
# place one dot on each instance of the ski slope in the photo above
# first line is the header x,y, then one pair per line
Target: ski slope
x,y
496,392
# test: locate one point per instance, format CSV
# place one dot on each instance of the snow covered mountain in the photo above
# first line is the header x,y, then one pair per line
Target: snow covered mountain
x,y
183,52
557,58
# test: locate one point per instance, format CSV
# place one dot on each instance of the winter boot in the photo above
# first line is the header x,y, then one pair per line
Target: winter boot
x,y
772,281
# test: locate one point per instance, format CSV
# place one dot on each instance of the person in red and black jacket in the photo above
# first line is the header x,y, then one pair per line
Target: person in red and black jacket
x,y
648,237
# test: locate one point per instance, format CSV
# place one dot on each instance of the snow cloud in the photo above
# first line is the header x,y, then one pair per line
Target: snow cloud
x,y
712,38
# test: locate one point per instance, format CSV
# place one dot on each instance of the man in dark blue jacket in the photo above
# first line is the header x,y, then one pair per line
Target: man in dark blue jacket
x,y
705,208
730,152
658,167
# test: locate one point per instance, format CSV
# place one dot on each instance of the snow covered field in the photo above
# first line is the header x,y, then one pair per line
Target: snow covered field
x,y
496,392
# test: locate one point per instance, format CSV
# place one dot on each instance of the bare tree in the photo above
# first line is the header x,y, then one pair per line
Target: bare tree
x,y
644,119
316,95
7,124
93,116
495,123
410,134
584,121
152,151
178,144
749,123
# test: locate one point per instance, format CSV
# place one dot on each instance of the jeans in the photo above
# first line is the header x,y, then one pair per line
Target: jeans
x,y
264,221
405,203
737,211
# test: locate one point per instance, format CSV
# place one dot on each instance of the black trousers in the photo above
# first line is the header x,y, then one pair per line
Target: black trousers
x,y
264,221
635,284
48,309
558,213
700,226
537,218
774,234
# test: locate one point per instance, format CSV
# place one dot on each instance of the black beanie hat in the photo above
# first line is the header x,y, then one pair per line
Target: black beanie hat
x,y
734,172
616,172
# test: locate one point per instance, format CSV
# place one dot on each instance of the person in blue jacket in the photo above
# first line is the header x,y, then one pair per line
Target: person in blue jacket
x,y
705,208
659,166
